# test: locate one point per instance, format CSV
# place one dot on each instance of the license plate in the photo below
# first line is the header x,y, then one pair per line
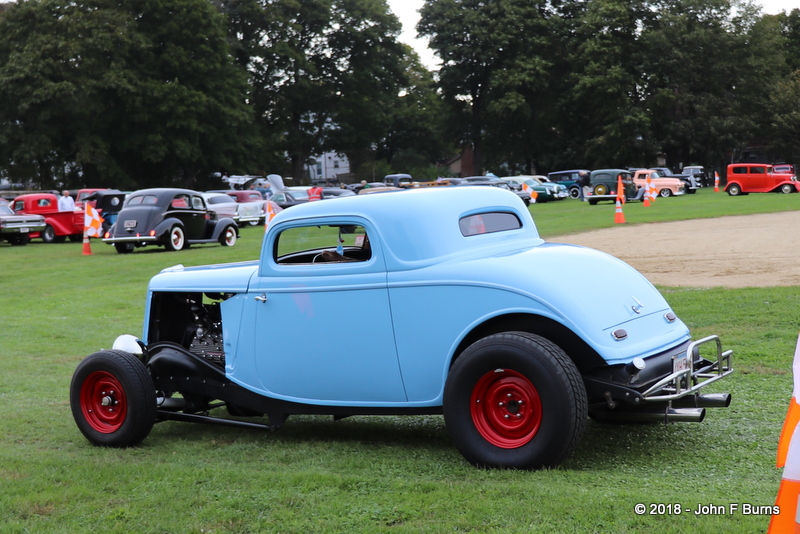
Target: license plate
x,y
24,230
681,363
131,223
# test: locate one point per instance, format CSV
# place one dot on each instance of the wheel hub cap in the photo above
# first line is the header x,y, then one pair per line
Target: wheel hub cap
x,y
103,402
506,408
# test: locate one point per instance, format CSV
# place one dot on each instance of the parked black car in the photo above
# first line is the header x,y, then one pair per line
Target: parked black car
x,y
288,198
174,218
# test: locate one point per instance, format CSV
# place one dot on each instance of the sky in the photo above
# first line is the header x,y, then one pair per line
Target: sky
x,y
408,13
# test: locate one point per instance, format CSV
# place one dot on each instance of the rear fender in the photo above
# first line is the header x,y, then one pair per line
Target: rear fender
x,y
222,224
163,228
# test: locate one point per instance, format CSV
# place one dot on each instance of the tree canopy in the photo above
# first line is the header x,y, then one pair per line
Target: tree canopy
x,y
136,93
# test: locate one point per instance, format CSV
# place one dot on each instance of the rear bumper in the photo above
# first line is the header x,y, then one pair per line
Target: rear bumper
x,y
665,385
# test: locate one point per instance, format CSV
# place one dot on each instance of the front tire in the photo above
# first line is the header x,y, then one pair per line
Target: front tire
x,y
515,400
734,190
113,399
574,192
228,237
786,189
176,239
665,193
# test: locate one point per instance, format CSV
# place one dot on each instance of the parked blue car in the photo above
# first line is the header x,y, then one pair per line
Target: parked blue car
x,y
451,319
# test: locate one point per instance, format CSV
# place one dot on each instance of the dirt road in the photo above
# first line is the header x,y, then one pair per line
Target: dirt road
x,y
739,251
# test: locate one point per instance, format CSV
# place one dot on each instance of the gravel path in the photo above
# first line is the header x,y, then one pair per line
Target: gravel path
x,y
738,251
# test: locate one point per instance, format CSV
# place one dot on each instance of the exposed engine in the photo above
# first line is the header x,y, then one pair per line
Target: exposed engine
x,y
207,339
193,320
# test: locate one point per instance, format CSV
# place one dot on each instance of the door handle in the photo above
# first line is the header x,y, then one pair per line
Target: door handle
x,y
261,298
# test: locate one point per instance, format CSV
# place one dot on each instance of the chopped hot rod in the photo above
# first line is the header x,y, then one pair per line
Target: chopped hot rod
x,y
515,363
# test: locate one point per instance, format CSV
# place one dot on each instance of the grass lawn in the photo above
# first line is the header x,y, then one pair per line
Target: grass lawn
x,y
372,474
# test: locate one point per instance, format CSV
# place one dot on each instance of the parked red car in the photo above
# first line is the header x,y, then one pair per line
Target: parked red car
x,y
59,224
744,178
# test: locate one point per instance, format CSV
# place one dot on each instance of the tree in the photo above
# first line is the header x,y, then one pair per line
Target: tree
x,y
493,63
131,93
708,77
323,74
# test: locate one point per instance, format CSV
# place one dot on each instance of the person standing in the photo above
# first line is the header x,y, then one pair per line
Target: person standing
x,y
66,202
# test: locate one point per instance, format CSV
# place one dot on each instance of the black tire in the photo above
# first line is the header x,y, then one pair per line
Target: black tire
x,y
176,238
124,248
253,223
113,399
48,234
690,191
786,189
734,190
545,418
19,240
76,238
665,193
574,192
600,190
228,236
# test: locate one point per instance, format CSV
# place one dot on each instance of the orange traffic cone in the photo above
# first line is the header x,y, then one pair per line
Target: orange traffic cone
x,y
646,200
87,248
716,182
619,217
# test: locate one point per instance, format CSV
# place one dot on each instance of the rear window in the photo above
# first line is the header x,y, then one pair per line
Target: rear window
x,y
146,200
487,223
740,170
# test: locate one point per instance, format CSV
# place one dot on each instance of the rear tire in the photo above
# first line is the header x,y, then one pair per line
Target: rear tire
x,y
124,248
113,399
734,190
48,234
600,190
515,400
176,239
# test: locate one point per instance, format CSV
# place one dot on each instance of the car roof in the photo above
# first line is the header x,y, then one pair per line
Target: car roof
x,y
423,224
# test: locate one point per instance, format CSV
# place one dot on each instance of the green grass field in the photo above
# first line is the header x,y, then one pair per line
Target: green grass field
x,y
372,474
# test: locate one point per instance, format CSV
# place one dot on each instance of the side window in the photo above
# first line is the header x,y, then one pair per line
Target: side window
x,y
323,244
197,203
740,170
180,202
487,223
757,170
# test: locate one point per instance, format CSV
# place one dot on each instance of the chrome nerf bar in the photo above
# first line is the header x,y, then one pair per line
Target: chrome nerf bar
x,y
690,380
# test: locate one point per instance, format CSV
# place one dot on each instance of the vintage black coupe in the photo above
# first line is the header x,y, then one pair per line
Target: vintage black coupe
x,y
174,218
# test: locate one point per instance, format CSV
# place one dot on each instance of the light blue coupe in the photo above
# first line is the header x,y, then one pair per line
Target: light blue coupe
x,y
440,285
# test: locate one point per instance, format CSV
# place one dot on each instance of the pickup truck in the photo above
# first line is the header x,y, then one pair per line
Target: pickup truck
x,y
59,225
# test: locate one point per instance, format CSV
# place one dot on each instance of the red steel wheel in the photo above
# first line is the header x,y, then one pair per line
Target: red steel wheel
x,y
103,402
506,408
514,400
113,399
